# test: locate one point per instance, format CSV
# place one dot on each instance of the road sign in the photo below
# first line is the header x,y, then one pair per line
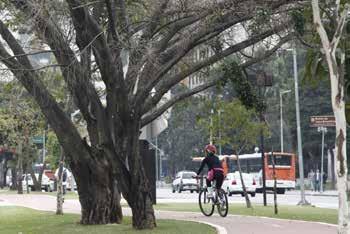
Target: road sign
x,y
322,121
38,140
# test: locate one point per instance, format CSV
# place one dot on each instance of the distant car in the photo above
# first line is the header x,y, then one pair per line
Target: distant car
x,y
232,184
184,181
47,183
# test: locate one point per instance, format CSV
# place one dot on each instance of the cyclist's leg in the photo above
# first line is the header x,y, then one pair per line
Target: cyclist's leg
x,y
208,182
219,177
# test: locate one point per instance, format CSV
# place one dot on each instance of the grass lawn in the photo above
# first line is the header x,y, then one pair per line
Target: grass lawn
x,y
307,213
14,220
69,194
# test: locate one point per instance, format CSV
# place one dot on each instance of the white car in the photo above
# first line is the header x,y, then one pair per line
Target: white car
x,y
184,181
232,184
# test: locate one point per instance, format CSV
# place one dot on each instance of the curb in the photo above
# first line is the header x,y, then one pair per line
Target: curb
x,y
290,220
321,195
264,217
219,229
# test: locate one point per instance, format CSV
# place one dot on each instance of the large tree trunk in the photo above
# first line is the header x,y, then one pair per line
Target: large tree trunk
x,y
98,192
139,195
142,208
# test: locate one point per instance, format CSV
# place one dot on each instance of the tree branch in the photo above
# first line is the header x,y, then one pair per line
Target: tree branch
x,y
156,113
53,113
169,58
147,118
169,82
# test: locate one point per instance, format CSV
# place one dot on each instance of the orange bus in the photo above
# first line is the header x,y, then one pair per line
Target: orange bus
x,y
285,164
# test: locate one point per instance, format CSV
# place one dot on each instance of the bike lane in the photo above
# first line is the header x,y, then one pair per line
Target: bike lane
x,y
230,224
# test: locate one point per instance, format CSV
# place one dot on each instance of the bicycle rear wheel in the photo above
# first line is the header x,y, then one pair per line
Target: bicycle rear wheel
x,y
222,203
205,204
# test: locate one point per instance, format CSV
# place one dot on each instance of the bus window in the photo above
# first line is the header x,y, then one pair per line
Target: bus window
x,y
248,165
280,160
254,165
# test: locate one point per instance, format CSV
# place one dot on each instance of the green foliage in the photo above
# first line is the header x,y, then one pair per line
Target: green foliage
x,y
53,150
237,126
298,17
314,69
244,90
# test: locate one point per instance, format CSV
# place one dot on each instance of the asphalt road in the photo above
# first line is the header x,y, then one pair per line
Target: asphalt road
x,y
325,200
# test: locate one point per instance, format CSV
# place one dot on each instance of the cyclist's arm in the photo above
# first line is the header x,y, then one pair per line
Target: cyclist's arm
x,y
202,166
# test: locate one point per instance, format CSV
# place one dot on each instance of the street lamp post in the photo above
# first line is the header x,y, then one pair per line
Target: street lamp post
x,y
324,131
300,152
281,105
211,127
220,147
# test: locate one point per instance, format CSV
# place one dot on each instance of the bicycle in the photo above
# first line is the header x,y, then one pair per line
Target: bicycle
x,y
219,199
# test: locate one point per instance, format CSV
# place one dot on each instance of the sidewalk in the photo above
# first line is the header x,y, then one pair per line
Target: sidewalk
x,y
327,193
230,224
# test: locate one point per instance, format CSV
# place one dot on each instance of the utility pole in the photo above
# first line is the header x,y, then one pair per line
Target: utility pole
x,y
220,147
211,126
300,152
324,131
281,115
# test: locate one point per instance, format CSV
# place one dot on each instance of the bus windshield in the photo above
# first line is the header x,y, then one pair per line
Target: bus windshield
x,y
248,165
280,160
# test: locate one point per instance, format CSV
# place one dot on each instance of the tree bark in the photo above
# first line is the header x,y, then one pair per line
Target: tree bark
x,y
36,184
98,192
59,209
336,76
249,205
2,174
19,175
138,194
13,179
142,208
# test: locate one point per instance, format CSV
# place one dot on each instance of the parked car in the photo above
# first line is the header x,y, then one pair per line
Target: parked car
x,y
48,181
232,184
184,181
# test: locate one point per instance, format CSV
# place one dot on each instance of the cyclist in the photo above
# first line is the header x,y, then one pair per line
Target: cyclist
x,y
215,170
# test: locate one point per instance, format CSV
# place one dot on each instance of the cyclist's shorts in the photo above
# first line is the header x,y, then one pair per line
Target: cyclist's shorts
x,y
211,173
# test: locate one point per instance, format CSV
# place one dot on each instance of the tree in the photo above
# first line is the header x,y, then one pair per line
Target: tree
x,y
335,60
183,138
133,47
237,127
18,122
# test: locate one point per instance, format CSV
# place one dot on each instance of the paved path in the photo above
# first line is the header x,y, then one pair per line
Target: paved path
x,y
230,224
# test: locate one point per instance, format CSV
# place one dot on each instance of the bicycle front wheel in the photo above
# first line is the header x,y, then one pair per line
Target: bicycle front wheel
x,y
222,203
205,204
